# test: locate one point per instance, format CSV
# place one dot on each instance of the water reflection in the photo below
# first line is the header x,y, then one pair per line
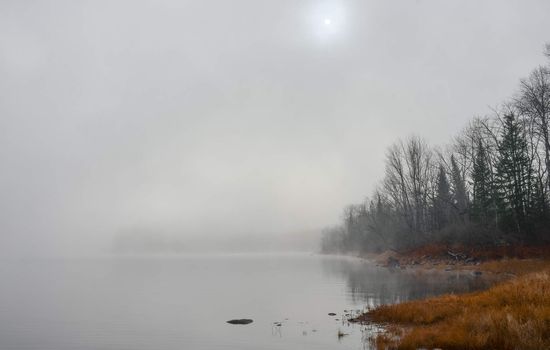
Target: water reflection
x,y
372,285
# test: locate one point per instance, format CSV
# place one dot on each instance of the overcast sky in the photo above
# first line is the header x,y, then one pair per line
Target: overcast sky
x,y
232,117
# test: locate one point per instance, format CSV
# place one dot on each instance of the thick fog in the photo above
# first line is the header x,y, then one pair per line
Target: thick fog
x,y
231,121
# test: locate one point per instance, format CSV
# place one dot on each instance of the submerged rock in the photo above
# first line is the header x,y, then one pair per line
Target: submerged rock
x,y
241,321
331,314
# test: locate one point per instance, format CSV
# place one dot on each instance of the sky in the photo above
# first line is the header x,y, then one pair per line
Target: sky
x,y
218,119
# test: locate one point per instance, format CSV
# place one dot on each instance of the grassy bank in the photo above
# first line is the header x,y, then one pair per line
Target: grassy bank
x,y
511,315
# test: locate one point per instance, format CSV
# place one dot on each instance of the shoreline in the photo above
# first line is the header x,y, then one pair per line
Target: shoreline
x,y
514,312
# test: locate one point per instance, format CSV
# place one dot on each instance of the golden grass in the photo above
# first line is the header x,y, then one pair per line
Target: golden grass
x,y
512,315
516,267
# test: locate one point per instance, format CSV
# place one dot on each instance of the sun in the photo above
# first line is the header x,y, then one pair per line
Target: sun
x,y
328,21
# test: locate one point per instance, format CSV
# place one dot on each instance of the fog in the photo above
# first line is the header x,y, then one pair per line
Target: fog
x,y
231,121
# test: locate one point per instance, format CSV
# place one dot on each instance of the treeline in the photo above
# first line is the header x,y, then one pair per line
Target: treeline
x,y
489,186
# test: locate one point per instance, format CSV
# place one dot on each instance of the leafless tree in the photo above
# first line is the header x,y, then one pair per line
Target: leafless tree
x,y
534,103
410,174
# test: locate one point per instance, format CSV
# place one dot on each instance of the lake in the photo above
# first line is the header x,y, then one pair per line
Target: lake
x,y
183,302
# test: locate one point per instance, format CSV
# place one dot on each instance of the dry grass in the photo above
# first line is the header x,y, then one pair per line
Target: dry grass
x,y
512,315
516,267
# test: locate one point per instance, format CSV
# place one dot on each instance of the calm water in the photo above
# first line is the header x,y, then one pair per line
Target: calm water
x,y
184,302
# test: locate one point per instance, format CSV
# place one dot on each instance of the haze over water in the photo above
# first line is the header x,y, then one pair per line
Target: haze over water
x,y
183,302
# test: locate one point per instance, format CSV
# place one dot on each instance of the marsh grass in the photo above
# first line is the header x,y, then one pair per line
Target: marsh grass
x,y
512,315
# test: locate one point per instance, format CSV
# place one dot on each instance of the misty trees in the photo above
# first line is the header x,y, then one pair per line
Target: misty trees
x,y
491,186
534,103
442,205
408,180
460,194
332,240
513,178
483,200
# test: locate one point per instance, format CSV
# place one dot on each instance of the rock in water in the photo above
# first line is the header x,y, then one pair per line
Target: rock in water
x,y
241,321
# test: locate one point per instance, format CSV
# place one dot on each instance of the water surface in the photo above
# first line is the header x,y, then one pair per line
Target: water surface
x,y
183,302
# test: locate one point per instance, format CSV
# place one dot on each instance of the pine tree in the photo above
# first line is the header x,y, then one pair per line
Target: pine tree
x,y
482,209
514,176
443,200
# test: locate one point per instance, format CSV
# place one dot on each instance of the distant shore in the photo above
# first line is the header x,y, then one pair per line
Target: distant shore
x,y
513,314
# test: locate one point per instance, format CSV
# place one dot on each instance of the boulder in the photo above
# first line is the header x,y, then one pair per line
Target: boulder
x,y
241,321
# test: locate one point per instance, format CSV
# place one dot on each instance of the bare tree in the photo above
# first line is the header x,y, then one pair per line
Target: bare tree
x,y
409,182
534,102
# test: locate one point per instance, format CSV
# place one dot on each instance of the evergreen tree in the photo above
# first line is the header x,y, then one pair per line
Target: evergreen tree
x,y
443,200
514,176
483,200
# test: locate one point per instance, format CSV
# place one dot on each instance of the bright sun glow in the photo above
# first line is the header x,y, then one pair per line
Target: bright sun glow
x,y
328,20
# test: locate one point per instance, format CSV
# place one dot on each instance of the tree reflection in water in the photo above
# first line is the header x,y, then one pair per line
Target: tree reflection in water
x,y
368,285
